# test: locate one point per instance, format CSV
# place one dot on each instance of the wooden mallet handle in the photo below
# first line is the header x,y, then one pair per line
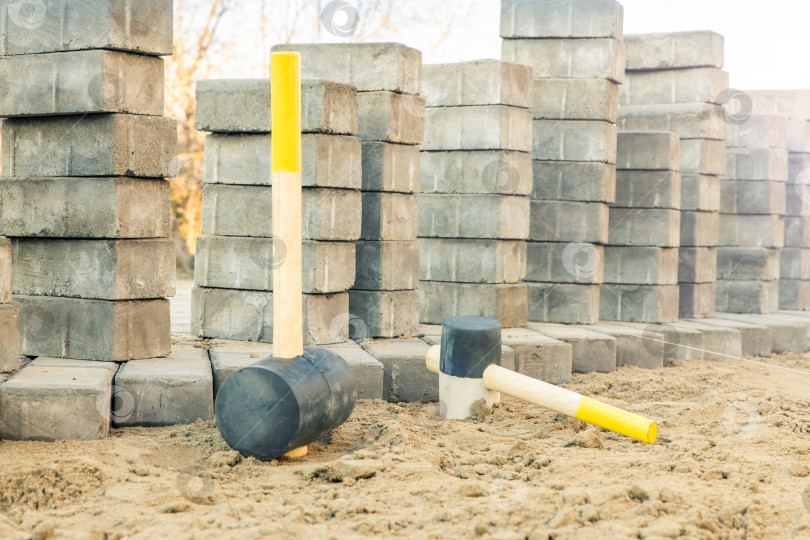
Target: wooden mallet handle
x,y
285,98
558,399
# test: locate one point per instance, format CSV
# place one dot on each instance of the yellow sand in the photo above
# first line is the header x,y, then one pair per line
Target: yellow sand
x,y
732,461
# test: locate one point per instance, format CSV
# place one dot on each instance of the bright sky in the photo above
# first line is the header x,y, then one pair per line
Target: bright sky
x,y
766,41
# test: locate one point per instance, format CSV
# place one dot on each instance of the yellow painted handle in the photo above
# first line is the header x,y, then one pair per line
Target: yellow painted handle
x,y
285,110
560,400
570,403
618,420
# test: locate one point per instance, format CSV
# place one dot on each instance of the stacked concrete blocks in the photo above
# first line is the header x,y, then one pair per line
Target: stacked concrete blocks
x,y
9,315
675,82
384,301
85,202
576,51
475,183
794,277
641,259
794,106
752,204
235,263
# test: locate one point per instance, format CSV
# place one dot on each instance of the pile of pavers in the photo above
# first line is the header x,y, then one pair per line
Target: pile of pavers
x,y
9,315
233,297
384,301
86,205
794,278
577,55
751,205
476,180
76,240
641,261
674,83
784,331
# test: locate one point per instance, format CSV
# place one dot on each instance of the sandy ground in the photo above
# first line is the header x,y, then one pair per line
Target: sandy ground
x,y
732,461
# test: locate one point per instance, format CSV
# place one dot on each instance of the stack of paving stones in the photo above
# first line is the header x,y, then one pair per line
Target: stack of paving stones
x,y
576,51
233,274
674,82
640,281
86,205
384,301
9,315
476,176
751,229
794,105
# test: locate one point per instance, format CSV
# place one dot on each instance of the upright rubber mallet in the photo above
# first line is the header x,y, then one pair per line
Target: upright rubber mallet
x,y
468,363
282,403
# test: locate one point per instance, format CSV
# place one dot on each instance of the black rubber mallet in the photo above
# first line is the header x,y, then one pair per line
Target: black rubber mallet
x,y
278,405
469,346
282,403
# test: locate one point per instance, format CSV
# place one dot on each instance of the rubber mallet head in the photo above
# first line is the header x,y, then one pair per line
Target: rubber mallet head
x,y
278,405
469,345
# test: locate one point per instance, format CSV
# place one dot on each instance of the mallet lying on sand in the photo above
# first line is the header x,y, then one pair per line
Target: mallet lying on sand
x,y
468,364
282,403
